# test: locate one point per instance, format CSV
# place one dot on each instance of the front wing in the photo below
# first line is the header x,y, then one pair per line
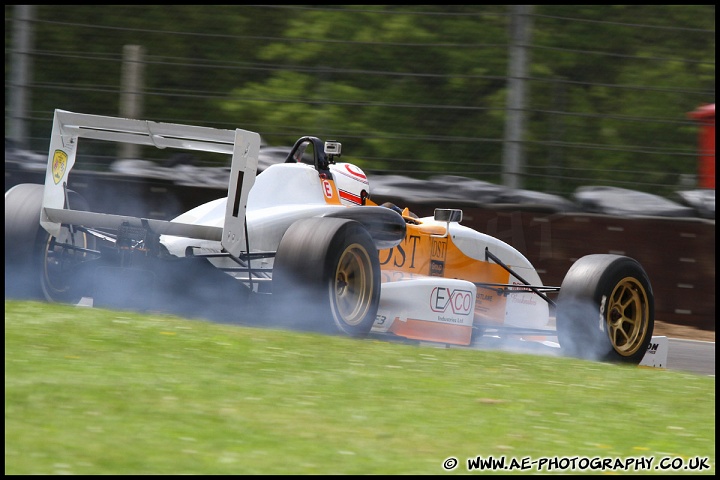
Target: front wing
x,y
441,311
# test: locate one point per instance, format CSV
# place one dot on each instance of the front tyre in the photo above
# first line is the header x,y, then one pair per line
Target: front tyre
x,y
606,310
326,276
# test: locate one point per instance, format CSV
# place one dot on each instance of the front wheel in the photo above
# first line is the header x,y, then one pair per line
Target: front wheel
x,y
606,310
326,276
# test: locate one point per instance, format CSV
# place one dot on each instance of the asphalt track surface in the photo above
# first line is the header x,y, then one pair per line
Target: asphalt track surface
x,y
692,356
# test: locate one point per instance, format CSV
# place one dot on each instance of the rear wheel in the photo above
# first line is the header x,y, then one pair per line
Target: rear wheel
x,y
326,276
606,309
38,265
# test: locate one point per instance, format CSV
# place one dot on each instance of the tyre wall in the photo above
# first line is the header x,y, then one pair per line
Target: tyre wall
x,y
677,253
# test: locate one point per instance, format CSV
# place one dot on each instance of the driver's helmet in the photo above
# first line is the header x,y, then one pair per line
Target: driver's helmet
x,y
351,182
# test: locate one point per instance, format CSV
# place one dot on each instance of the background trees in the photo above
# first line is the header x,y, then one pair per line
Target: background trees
x,y
417,90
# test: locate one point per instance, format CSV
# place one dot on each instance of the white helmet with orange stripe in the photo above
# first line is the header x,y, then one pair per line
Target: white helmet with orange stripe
x,y
351,182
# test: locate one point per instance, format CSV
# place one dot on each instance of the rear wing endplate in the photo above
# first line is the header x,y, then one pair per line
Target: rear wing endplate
x,y
69,127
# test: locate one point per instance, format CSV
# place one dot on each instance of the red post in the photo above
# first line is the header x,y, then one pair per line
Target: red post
x,y
705,115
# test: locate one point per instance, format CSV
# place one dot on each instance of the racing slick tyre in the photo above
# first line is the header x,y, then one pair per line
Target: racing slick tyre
x,y
605,310
326,275
38,266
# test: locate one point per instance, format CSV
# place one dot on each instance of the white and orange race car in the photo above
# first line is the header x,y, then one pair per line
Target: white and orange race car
x,y
304,242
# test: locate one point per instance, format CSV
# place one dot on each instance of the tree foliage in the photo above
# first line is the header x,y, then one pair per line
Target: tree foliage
x,y
415,89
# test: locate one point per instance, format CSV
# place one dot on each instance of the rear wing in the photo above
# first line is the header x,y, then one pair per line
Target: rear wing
x,y
69,127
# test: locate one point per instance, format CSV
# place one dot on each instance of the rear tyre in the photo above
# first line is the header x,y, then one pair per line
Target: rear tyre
x,y
606,310
37,265
326,276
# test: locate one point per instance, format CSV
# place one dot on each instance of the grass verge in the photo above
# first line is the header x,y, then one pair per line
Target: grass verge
x,y
92,391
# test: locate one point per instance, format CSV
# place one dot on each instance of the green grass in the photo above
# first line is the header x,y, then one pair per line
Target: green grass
x,y
91,391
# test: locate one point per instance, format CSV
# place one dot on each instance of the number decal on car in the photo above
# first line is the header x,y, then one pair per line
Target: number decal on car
x,y
327,189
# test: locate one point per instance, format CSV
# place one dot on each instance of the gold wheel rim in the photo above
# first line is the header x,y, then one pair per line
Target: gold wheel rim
x,y
628,316
353,285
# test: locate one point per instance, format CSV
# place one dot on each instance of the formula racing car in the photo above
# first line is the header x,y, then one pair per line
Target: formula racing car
x,y
304,241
